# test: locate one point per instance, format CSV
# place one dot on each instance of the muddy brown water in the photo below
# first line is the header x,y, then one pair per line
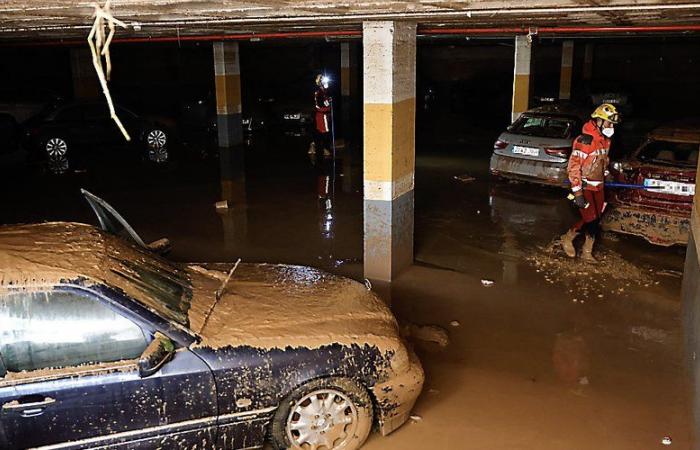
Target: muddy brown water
x,y
526,368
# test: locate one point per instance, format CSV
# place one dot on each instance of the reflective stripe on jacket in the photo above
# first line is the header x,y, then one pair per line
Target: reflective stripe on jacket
x,y
589,159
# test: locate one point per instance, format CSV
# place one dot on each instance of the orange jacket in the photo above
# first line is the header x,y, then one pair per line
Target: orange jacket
x,y
589,159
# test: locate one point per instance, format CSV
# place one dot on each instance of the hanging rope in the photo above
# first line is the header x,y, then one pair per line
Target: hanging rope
x,y
99,41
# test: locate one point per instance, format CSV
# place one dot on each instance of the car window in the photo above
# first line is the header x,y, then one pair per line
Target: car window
x,y
63,328
166,289
542,126
670,153
97,111
72,113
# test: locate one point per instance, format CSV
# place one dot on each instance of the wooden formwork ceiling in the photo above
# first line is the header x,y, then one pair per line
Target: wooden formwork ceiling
x,y
42,20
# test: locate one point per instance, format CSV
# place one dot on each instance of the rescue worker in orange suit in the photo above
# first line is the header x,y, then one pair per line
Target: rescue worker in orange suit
x,y
322,117
587,170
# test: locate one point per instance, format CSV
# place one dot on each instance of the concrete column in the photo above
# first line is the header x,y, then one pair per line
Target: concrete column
x,y
567,63
521,78
389,50
85,82
345,90
227,70
588,62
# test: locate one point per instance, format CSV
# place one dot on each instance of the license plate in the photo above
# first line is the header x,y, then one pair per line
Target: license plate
x,y
671,187
527,151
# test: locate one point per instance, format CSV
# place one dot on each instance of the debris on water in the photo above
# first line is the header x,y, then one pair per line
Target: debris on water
x,y
454,323
464,178
612,269
427,333
583,381
223,204
416,418
670,273
433,391
487,283
650,334
666,440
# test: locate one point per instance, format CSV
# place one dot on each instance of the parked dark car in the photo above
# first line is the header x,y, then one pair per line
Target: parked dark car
x,y
666,162
9,133
61,131
105,344
536,147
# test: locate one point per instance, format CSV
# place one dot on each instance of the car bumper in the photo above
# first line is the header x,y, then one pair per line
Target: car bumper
x,y
656,226
396,397
541,172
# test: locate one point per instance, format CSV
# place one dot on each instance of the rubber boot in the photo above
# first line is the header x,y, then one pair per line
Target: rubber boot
x,y
567,242
587,250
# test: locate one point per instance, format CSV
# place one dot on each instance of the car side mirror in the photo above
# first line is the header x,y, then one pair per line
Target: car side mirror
x,y
158,352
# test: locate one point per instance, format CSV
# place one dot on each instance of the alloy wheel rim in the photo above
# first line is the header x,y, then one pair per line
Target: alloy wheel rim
x,y
56,147
156,139
322,420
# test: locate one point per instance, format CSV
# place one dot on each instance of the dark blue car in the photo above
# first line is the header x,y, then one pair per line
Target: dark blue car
x,y
105,344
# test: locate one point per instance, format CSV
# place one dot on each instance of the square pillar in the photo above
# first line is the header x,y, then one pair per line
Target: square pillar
x,y
521,76
389,50
567,63
86,86
227,71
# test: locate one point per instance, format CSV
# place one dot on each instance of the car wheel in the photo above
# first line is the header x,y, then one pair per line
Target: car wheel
x,y
325,414
156,139
56,147
158,155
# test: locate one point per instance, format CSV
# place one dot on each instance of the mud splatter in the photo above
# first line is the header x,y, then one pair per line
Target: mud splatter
x,y
586,280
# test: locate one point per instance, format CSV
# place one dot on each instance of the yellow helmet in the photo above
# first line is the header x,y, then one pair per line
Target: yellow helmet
x,y
608,112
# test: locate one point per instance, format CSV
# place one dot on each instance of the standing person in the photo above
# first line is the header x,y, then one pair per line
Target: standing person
x,y
587,169
322,117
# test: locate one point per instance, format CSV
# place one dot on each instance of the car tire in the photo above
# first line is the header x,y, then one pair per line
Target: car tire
x,y
56,147
339,416
155,138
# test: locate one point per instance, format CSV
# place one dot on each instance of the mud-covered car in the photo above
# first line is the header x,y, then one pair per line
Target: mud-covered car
x,y
105,344
666,164
536,147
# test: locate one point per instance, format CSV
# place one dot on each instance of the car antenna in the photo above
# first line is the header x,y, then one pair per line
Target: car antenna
x,y
219,293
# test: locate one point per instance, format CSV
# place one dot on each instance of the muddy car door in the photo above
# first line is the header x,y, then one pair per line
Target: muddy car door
x,y
75,376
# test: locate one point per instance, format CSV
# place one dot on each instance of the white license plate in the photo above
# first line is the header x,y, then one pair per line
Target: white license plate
x,y
527,151
670,187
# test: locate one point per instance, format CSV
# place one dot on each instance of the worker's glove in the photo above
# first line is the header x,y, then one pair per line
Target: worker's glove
x,y
579,201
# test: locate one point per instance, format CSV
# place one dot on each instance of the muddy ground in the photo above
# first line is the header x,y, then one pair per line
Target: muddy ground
x,y
554,355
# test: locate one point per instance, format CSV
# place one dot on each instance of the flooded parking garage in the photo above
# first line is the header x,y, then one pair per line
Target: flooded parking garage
x,y
522,347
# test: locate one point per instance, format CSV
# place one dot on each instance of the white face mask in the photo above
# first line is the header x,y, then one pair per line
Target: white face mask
x,y
608,132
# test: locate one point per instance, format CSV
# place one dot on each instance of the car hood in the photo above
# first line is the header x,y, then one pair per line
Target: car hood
x,y
279,306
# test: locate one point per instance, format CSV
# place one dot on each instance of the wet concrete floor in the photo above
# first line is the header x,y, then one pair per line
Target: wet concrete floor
x,y
555,355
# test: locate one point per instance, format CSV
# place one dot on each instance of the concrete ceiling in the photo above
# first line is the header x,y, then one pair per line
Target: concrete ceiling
x,y
71,19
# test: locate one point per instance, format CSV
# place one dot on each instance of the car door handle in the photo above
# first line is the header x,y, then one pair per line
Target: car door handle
x,y
28,409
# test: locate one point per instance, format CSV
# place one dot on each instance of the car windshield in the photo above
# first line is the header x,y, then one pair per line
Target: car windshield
x,y
166,288
543,126
670,153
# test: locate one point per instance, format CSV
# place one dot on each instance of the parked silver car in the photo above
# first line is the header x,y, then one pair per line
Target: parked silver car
x,y
536,147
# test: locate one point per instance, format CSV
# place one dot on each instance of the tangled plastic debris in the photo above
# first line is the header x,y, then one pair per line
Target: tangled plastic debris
x,y
487,283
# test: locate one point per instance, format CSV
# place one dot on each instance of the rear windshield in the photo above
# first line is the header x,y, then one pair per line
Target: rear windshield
x,y
542,126
670,153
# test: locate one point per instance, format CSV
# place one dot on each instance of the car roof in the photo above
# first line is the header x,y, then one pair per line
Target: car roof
x,y
684,130
559,110
59,252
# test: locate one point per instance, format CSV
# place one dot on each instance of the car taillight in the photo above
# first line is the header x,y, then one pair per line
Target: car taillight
x,y
561,152
499,145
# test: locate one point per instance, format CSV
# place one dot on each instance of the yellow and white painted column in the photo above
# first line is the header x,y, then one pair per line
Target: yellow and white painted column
x,y
389,50
85,82
227,71
521,77
567,64
588,62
